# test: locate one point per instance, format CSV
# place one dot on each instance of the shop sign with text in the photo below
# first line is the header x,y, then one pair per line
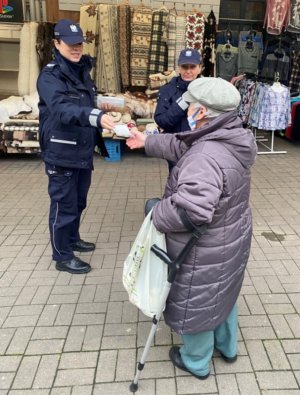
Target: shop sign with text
x,y
11,11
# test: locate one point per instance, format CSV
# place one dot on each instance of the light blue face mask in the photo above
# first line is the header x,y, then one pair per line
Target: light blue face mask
x,y
191,120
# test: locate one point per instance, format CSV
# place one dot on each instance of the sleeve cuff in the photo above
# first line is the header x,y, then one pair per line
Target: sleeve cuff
x,y
182,104
93,117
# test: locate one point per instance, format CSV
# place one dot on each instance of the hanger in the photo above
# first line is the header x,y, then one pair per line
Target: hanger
x,y
174,8
251,33
183,12
228,47
228,34
249,43
276,84
194,9
211,17
279,51
163,7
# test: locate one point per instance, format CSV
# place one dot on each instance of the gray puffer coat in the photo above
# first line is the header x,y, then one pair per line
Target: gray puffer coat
x,y
211,180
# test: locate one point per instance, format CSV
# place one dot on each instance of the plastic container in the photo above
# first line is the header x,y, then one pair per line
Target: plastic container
x,y
114,148
113,101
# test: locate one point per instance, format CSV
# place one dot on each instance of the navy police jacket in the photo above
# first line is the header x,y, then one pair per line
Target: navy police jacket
x,y
68,118
168,114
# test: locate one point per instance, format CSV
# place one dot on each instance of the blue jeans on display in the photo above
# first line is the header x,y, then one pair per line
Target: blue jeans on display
x,y
197,349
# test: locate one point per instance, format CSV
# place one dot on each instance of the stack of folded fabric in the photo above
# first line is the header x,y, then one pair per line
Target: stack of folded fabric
x,y
157,80
160,79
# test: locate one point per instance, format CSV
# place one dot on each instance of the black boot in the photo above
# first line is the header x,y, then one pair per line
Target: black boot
x,y
74,266
83,246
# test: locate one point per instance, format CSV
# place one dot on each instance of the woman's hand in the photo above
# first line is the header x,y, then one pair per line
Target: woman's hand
x,y
137,139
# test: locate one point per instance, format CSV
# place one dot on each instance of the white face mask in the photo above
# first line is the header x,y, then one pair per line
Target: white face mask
x,y
191,121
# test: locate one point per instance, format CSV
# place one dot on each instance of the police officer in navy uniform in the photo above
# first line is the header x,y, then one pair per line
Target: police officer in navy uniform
x,y
70,127
171,111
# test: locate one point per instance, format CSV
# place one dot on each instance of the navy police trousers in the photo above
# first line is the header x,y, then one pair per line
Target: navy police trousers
x,y
68,189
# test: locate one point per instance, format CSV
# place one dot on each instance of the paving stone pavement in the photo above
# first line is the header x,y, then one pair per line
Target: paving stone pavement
x,y
63,334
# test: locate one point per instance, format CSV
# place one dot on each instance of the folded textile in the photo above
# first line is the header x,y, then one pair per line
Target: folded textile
x,y
160,79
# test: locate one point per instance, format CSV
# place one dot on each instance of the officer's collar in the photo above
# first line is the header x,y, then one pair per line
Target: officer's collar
x,y
66,67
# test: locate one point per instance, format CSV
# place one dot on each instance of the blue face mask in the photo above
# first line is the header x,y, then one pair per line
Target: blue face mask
x,y
191,120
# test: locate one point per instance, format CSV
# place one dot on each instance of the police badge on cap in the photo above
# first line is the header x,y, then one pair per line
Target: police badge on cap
x,y
68,31
189,56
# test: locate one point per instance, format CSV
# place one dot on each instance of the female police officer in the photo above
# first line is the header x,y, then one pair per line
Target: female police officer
x,y
171,109
69,129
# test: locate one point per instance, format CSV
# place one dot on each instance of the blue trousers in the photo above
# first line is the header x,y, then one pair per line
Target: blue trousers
x,y
197,349
68,189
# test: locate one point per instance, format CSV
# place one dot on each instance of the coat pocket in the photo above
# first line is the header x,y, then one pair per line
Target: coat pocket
x,y
62,143
73,95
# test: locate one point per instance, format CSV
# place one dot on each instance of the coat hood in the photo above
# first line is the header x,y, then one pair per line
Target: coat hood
x,y
228,130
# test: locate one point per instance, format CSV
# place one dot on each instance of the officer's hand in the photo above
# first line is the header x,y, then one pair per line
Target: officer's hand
x,y
106,107
107,122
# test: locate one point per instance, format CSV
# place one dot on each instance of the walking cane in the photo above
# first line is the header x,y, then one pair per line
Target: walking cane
x,y
173,267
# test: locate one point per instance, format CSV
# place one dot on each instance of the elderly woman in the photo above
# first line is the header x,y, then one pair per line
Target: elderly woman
x,y
211,181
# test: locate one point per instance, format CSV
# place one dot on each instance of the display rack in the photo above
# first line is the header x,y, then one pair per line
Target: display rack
x,y
263,141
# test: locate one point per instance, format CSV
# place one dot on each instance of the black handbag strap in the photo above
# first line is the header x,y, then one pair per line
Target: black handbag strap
x,y
189,224
197,232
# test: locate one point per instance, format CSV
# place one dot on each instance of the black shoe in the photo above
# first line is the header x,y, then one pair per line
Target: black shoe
x,y
227,359
83,246
175,357
74,266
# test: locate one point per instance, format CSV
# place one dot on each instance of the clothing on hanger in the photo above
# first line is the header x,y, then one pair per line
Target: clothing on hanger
x,y
158,50
195,26
141,26
226,61
276,62
249,56
209,45
222,37
252,35
277,87
277,16
294,82
271,108
124,22
294,17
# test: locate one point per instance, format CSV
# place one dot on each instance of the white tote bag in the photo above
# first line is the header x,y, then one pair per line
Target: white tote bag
x,y
144,274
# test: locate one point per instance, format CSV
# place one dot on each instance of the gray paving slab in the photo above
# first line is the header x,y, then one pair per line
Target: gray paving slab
x,y
63,334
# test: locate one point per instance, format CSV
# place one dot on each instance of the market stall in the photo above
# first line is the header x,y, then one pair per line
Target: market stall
x,y
136,46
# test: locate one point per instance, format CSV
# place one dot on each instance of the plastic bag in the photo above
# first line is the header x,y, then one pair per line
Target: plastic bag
x,y
144,274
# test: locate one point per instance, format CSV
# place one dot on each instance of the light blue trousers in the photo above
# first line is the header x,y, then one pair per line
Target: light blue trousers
x,y
197,349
